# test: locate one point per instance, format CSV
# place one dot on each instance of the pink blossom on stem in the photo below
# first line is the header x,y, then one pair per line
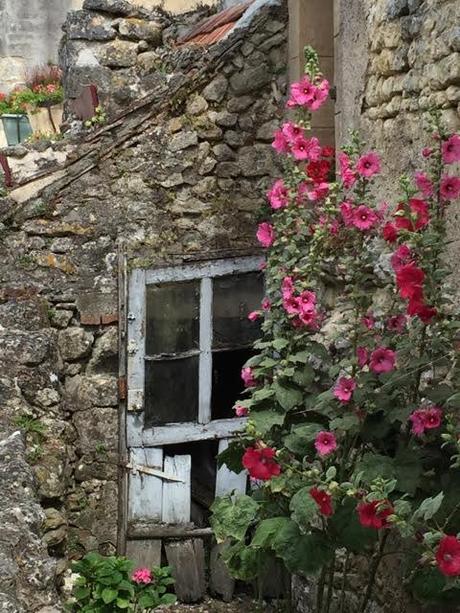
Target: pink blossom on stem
x,y
248,376
266,304
427,152
451,149
265,234
302,92
346,173
368,320
347,211
318,192
291,131
363,356
253,315
291,305
241,411
396,323
382,360
368,165
325,443
280,144
287,287
425,419
278,195
344,389
401,257
449,187
424,184
364,218
142,575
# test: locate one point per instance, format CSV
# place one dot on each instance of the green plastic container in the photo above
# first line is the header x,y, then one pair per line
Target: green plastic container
x,y
17,128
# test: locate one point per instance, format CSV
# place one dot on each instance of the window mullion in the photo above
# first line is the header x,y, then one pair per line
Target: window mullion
x,y
205,368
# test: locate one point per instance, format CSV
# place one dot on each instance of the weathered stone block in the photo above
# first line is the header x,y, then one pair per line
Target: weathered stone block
x,y
215,91
197,105
97,429
84,392
105,353
223,152
225,119
74,343
28,348
183,140
140,29
116,7
89,26
250,79
118,54
227,169
257,160
236,105
266,130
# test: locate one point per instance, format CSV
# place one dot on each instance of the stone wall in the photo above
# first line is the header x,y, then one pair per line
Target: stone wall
x,y
177,178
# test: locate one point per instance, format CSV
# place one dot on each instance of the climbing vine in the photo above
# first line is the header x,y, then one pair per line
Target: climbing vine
x,y
352,440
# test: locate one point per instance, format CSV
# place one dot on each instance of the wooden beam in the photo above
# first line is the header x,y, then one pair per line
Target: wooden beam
x,y
151,530
187,561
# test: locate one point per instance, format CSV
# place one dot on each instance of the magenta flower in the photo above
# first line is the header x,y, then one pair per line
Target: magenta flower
x,y
278,195
449,187
318,192
142,575
425,419
368,165
344,389
253,315
382,360
291,131
287,287
266,304
346,173
320,95
364,218
424,184
363,356
291,305
280,144
325,443
302,92
265,234
451,150
396,323
368,320
401,257
248,376
347,210
241,411
427,152
306,149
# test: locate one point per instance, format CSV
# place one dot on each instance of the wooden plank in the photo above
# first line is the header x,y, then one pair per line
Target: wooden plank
x,y
217,268
136,340
138,436
187,561
177,495
226,480
221,583
152,530
144,553
205,367
145,491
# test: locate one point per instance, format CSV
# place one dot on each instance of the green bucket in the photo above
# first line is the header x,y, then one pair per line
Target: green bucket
x,y
17,128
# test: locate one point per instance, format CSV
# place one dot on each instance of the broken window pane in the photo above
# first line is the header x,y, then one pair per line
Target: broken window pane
x,y
227,384
234,298
173,322
171,391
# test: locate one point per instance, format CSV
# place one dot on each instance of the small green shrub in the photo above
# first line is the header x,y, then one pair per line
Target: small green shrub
x,y
108,584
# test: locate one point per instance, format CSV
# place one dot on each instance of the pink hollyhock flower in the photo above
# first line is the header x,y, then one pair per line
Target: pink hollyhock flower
x,y
427,152
402,256
302,92
323,500
347,212
425,419
419,216
368,165
265,234
253,315
382,360
364,218
142,575
424,184
280,144
409,279
396,323
449,187
278,195
346,173
320,94
344,389
287,287
241,411
307,299
448,556
300,148
248,376
291,305
260,463
292,131
418,423
451,150
368,320
318,192
266,304
375,514
390,232
325,443
363,356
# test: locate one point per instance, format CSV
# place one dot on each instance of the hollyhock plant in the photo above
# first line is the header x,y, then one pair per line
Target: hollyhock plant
x,y
448,556
451,149
325,443
348,428
280,143
260,463
265,234
248,376
278,195
382,360
450,187
323,500
344,389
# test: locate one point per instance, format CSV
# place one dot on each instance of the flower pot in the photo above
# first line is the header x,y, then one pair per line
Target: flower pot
x,y
16,127
46,119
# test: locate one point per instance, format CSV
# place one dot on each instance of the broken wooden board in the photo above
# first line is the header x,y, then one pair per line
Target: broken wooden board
x,y
144,553
177,494
145,491
187,561
221,583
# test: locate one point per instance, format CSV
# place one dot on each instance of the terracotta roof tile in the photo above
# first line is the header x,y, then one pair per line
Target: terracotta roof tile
x,y
214,28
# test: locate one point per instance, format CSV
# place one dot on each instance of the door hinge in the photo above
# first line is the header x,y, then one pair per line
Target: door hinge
x,y
122,388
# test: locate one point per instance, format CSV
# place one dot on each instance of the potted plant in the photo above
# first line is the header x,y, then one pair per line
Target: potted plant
x,y
15,123
43,96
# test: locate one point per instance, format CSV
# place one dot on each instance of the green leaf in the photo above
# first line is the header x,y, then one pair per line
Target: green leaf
x,y
408,469
148,600
232,456
374,465
287,397
263,394
453,402
303,508
301,356
81,592
168,599
304,376
429,507
232,517
267,530
280,343
302,553
122,603
268,363
439,394
347,530
347,422
301,436
265,420
429,586
109,595
242,561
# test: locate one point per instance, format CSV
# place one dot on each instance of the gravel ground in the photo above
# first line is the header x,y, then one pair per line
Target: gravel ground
x,y
239,604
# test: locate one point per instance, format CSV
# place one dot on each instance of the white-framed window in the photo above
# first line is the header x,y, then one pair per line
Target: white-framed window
x,y
188,337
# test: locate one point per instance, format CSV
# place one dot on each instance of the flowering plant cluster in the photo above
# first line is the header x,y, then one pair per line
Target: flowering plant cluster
x,y
43,88
352,442
107,584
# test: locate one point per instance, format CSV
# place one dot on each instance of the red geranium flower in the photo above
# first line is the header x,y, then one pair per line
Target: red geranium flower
x,y
323,500
374,514
260,463
448,556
